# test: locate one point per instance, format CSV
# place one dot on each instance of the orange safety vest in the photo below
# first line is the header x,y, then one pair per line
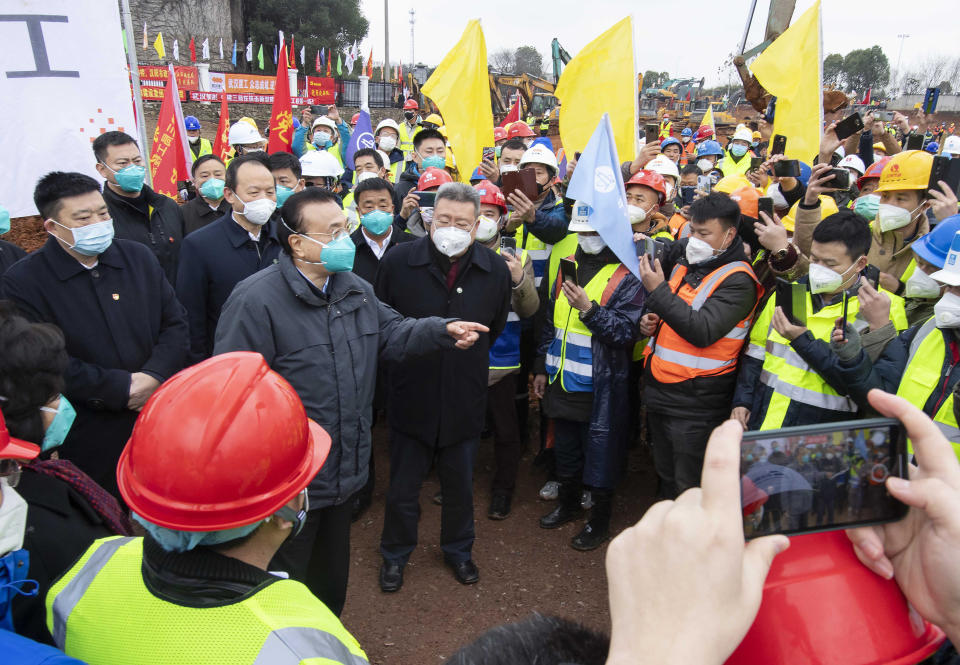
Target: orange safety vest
x,y
689,153
674,359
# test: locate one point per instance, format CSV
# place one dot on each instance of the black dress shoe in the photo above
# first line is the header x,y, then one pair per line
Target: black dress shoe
x,y
465,571
499,506
391,576
591,537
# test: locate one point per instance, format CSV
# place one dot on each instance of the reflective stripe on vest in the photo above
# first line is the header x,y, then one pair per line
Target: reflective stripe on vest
x,y
684,231
101,611
538,250
505,352
674,358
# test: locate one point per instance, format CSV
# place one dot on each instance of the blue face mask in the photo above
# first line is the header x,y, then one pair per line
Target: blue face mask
x,y
738,150
283,193
92,239
433,161
56,434
322,140
130,178
212,189
4,220
336,255
867,206
377,221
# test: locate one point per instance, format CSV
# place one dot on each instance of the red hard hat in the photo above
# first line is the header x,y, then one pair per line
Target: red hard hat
x,y
433,177
702,134
491,194
652,180
11,448
499,133
519,129
222,444
411,105
355,118
822,606
873,171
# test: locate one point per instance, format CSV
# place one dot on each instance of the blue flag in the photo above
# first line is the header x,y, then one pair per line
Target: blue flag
x,y
234,59
598,183
323,58
361,138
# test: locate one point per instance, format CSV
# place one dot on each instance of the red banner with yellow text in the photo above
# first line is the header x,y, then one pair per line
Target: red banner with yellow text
x,y
281,115
187,77
322,89
167,161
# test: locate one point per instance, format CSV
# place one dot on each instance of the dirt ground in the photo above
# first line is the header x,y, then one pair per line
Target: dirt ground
x,y
523,568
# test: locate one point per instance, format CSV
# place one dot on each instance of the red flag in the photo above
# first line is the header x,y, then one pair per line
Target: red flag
x,y
281,114
168,156
513,115
866,100
193,51
316,67
329,58
293,52
221,147
688,96
370,64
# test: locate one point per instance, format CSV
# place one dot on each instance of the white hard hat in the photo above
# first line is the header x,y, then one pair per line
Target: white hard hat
x,y
241,133
319,164
326,122
385,157
664,166
743,133
952,145
387,122
950,273
540,154
580,218
853,162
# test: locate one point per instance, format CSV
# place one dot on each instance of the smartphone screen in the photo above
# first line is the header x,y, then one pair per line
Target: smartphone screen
x,y
704,183
841,178
872,275
849,126
765,204
427,199
568,269
687,194
489,154
779,145
792,299
821,477
508,244
914,142
652,133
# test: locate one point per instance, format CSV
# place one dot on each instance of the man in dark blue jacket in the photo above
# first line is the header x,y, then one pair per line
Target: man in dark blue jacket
x,y
216,258
126,333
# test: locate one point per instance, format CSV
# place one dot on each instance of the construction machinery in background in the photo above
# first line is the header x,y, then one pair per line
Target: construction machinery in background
x,y
536,93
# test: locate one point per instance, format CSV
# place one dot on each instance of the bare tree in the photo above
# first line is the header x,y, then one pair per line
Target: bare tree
x,y
503,61
183,19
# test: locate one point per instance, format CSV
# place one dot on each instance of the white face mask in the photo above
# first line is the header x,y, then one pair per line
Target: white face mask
x,y
947,311
451,241
921,285
892,217
591,244
487,228
387,143
366,175
13,519
508,168
636,214
193,139
258,211
705,165
426,214
698,250
825,280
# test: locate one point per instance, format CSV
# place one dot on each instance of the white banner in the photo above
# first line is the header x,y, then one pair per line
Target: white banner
x,y
63,82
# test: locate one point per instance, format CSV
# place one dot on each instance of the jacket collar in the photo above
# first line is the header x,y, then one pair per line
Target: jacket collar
x,y
421,255
238,235
65,266
113,197
339,285
899,242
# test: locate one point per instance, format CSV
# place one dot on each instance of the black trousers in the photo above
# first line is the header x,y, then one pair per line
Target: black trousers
x,y
320,555
570,439
507,449
679,443
410,461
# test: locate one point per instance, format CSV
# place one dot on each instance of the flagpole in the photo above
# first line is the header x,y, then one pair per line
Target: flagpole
x,y
135,80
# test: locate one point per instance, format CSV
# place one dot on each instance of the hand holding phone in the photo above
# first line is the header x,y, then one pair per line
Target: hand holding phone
x,y
849,126
779,145
568,270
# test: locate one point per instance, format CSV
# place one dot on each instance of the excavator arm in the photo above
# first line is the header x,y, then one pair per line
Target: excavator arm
x,y
778,20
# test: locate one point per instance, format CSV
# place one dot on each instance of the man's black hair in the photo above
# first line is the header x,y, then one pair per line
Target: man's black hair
x,y
58,185
691,169
203,159
370,152
291,213
537,640
513,144
259,157
425,134
284,160
846,227
107,139
715,206
372,185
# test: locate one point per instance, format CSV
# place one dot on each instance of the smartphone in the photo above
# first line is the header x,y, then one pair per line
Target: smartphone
x,y
704,183
821,477
489,155
787,168
756,163
687,193
872,275
886,116
779,145
427,199
843,322
318,110
652,132
849,126
914,142
765,204
841,178
568,270
524,180
508,244
945,169
792,299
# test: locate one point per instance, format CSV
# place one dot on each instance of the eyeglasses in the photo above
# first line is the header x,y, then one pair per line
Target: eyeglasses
x,y
334,235
10,470
461,224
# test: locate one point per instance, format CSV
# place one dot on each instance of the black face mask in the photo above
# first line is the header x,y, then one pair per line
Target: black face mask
x,y
298,517
409,115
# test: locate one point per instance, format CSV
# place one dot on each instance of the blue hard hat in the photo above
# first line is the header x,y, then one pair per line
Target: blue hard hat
x,y
932,147
191,122
708,148
686,132
477,176
670,141
805,172
296,124
934,246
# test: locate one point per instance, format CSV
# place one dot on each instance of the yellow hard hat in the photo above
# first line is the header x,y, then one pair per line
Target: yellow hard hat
x,y
434,119
731,183
250,121
879,146
757,136
906,170
827,207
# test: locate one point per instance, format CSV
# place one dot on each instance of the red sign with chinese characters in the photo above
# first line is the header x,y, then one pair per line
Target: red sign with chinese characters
x,y
187,77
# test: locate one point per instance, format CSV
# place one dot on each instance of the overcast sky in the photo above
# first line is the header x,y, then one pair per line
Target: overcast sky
x,y
662,44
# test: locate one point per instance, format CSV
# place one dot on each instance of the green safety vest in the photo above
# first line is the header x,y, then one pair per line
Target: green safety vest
x,y
922,376
729,167
206,148
101,612
566,247
788,375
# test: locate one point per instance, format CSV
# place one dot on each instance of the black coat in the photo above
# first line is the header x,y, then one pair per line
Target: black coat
x,y
118,318
365,263
441,398
197,213
9,254
162,232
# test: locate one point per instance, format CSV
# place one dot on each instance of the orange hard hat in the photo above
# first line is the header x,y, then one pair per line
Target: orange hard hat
x,y
11,448
432,178
747,198
499,134
650,179
491,194
873,171
411,105
222,444
355,119
519,130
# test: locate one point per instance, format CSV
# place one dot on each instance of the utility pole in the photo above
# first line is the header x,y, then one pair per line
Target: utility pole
x,y
386,40
902,38
413,20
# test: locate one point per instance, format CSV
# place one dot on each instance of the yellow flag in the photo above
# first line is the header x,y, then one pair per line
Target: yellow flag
x,y
601,79
791,70
708,120
460,88
158,44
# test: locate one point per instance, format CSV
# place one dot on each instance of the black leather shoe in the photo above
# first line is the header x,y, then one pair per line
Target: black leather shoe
x,y
466,571
590,538
391,576
499,506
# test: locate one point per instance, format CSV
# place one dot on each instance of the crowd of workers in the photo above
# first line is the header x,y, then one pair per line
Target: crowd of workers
x,y
208,374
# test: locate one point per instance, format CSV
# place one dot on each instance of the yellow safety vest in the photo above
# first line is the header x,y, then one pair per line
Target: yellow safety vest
x,y
406,140
101,612
206,148
564,248
350,210
788,375
729,167
505,351
922,376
